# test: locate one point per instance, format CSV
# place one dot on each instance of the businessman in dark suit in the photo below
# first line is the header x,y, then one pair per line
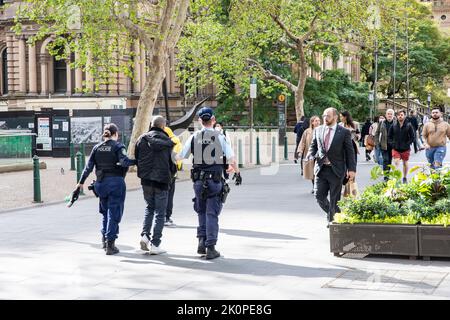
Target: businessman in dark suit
x,y
333,150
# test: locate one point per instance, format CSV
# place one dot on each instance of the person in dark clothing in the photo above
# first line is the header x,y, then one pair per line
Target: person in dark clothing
x,y
156,169
299,129
111,162
364,132
400,136
381,139
412,119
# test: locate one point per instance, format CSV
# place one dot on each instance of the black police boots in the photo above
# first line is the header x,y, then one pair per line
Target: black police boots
x,y
212,253
201,246
111,248
103,242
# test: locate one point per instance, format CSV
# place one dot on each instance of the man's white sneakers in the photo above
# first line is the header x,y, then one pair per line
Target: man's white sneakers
x,y
156,250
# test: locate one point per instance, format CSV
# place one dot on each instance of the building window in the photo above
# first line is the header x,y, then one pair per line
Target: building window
x,y
60,75
443,17
5,72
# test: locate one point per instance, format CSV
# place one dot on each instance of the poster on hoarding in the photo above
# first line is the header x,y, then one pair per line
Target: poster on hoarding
x,y
86,129
60,136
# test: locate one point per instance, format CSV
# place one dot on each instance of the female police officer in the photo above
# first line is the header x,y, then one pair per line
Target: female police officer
x,y
111,162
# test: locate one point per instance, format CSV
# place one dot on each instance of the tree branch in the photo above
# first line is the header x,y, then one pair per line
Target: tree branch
x,y
179,23
312,28
270,75
287,44
285,29
132,27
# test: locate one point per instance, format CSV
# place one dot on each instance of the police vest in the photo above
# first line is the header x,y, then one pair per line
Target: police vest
x,y
207,151
106,160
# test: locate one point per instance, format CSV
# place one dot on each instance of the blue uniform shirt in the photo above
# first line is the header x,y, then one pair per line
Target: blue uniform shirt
x,y
121,153
228,152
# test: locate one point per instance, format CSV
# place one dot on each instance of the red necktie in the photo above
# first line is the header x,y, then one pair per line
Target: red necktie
x,y
327,139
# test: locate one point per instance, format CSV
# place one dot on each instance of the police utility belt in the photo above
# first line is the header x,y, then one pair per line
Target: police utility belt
x,y
201,175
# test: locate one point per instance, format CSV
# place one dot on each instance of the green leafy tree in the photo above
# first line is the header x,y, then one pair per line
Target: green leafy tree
x,y
336,89
429,55
273,39
103,34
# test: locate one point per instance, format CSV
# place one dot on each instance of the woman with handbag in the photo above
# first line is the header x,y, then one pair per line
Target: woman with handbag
x,y
303,147
350,188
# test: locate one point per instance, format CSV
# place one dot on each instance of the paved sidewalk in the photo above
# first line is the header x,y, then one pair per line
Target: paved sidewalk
x,y
273,239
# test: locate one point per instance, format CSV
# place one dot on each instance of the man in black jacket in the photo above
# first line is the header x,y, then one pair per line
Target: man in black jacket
x,y
333,150
400,136
155,168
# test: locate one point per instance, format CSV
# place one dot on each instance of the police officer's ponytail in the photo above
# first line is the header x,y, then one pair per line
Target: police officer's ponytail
x,y
109,130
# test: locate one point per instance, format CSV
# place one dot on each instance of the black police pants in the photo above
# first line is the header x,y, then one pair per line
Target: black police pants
x,y
208,210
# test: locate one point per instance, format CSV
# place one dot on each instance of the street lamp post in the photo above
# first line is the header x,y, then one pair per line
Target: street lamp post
x,y
375,80
253,89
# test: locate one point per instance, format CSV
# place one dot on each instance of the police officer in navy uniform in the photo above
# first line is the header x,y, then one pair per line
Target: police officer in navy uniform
x,y
111,164
208,148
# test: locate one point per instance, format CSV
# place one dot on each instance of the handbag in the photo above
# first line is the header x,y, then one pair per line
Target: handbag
x,y
369,141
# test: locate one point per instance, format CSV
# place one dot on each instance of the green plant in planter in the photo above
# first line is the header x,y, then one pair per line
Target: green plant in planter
x,y
425,199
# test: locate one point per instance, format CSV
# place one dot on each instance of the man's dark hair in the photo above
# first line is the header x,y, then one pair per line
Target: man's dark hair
x,y
302,118
436,108
401,111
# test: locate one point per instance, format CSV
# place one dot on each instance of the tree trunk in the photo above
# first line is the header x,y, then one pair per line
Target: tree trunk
x,y
147,101
300,90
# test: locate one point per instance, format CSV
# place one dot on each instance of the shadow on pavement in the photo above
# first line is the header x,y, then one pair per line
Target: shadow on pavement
x,y
234,266
251,234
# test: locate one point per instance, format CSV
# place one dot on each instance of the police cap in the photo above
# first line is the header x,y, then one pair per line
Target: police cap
x,y
205,113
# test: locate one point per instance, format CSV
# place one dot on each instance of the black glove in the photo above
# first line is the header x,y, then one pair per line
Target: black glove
x,y
238,178
74,196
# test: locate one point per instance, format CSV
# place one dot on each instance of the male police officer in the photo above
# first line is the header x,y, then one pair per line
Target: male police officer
x,y
208,148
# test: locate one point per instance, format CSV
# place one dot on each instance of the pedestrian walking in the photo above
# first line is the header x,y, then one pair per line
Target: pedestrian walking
x,y
401,136
378,158
208,148
436,132
303,148
156,169
364,133
110,160
332,147
299,129
350,187
176,149
381,139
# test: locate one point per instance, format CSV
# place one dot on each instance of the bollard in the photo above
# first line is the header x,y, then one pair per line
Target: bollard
x,y
258,162
36,180
72,157
83,152
79,168
285,148
273,150
240,153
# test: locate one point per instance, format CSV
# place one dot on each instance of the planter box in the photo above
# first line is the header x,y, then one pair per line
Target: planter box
x,y
434,241
394,239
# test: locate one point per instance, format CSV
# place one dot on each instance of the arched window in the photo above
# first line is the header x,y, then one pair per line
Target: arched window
x,y
4,71
60,75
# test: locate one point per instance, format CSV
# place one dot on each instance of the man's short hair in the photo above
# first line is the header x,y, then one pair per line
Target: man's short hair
x,y
158,122
401,111
436,108
390,110
335,112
